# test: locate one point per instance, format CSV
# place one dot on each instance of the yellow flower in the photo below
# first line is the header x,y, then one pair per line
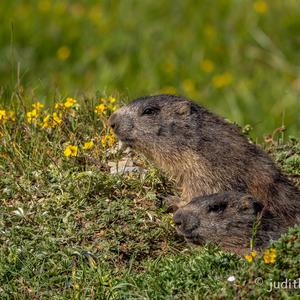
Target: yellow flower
x,y
111,99
220,81
88,145
106,106
71,150
11,115
7,115
270,256
52,121
188,86
113,108
207,66
37,105
250,256
168,90
100,109
63,53
3,115
44,5
56,118
260,7
46,122
32,116
59,105
69,102
108,140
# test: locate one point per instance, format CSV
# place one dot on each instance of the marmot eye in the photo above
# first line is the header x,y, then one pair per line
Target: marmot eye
x,y
219,207
149,111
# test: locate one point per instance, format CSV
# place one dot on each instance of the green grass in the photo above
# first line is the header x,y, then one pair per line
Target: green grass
x,y
72,230
69,229
52,49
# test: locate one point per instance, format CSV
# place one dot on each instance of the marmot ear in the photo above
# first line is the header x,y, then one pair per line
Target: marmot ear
x,y
245,202
185,108
248,202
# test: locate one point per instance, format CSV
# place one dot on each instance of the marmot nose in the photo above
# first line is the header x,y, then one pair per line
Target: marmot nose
x,y
186,220
177,218
113,121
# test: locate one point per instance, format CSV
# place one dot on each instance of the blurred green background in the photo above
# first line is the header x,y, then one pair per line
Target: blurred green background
x,y
240,58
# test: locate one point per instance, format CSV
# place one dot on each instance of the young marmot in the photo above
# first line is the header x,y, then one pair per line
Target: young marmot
x,y
204,153
229,219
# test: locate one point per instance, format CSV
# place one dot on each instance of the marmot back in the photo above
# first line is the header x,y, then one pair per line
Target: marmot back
x,y
203,153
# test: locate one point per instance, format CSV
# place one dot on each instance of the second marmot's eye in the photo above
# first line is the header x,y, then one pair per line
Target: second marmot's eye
x,y
219,207
149,111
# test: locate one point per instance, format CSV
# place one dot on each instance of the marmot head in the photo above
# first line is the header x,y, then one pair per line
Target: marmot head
x,y
162,122
226,219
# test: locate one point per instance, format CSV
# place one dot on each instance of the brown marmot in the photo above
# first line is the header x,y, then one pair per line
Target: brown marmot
x,y
230,219
204,153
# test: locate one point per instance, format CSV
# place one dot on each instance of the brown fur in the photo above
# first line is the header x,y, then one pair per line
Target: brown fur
x,y
204,154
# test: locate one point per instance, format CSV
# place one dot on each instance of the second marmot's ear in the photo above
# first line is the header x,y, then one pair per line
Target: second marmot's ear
x,y
245,202
185,108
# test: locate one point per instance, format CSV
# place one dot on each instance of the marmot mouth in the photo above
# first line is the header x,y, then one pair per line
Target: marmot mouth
x,y
196,240
191,238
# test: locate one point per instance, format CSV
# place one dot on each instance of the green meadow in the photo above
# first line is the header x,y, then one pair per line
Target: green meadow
x,y
70,227
239,58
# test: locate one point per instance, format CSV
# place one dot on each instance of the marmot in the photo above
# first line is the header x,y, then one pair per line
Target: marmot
x,y
204,153
230,219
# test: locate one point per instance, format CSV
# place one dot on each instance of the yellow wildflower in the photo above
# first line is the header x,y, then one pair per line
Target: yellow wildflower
x,y
270,256
261,7
168,90
111,99
95,14
88,145
59,105
108,140
69,102
71,150
188,86
44,5
207,65
46,122
63,53
106,106
7,115
100,109
3,115
251,256
52,121
11,115
112,108
37,105
56,118
220,81
32,116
